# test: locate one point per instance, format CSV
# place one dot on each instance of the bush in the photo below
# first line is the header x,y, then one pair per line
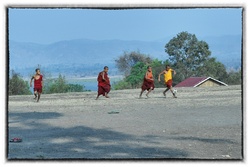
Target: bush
x,y
17,86
75,88
60,85
121,85
137,73
233,78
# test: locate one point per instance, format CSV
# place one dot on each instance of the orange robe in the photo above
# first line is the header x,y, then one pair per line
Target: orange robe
x,y
147,83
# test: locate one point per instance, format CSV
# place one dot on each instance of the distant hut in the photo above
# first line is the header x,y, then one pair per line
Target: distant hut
x,y
200,82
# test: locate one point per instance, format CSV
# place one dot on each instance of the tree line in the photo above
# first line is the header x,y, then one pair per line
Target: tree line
x,y
188,56
17,85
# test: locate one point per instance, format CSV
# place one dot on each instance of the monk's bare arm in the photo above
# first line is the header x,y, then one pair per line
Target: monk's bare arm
x,y
174,72
31,81
103,76
146,76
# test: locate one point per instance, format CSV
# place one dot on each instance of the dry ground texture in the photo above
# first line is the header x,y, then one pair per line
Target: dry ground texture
x,y
202,123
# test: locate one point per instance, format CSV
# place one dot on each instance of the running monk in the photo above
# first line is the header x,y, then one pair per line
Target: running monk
x,y
103,83
148,82
168,79
38,84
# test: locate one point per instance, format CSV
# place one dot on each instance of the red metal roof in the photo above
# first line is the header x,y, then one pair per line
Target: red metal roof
x,y
191,82
196,81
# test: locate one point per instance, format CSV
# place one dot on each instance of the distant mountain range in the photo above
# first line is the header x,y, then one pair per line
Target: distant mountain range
x,y
82,57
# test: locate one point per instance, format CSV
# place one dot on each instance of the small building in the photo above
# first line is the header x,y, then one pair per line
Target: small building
x,y
200,82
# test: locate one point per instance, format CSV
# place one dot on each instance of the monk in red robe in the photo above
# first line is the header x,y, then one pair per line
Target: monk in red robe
x,y
148,82
38,84
103,83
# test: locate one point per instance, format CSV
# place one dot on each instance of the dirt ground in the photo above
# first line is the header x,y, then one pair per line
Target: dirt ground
x,y
202,123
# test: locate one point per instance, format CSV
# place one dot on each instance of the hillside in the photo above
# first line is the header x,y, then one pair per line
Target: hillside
x,y
68,56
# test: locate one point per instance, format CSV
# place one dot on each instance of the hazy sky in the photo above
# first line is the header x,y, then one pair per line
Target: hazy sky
x,y
46,26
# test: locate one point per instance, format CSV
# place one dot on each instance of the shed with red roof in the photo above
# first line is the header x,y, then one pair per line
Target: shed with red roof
x,y
200,82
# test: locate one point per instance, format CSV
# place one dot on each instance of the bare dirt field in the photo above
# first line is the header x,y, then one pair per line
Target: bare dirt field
x,y
202,123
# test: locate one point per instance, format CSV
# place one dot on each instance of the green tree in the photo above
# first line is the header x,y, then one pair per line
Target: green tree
x,y
60,85
75,88
134,79
157,67
187,54
234,77
121,85
126,61
17,86
137,74
47,83
213,68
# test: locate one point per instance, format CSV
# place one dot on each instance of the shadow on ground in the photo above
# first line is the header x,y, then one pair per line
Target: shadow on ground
x,y
42,141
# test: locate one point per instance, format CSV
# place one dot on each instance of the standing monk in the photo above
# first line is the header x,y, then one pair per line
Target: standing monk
x,y
168,79
38,84
148,82
103,83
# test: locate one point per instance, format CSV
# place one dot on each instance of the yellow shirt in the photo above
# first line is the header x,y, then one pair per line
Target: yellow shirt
x,y
168,75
